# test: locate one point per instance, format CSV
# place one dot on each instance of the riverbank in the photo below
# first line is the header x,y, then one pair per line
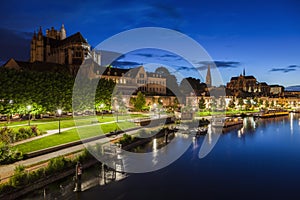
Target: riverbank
x,y
15,192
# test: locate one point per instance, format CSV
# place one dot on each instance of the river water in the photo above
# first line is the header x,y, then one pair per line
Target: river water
x,y
260,160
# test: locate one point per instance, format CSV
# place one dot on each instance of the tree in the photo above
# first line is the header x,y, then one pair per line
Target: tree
x,y
222,103
201,103
139,102
260,103
192,85
241,103
231,104
248,104
272,104
267,104
213,104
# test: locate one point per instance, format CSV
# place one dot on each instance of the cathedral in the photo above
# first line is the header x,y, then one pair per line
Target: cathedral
x,y
56,47
55,52
247,86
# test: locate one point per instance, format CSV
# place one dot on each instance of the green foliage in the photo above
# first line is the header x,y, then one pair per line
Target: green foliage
x,y
57,164
222,104
127,139
22,178
241,103
46,92
231,104
267,104
139,102
9,155
9,135
248,104
213,104
19,178
202,104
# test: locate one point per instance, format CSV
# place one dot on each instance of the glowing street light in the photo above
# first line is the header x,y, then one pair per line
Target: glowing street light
x,y
28,108
59,111
101,107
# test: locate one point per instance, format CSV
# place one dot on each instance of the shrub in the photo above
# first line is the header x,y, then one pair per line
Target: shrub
x,y
85,155
19,178
57,164
6,187
8,155
7,135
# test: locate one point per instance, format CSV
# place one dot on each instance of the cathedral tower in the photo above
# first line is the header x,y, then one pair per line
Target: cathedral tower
x,y
208,77
63,34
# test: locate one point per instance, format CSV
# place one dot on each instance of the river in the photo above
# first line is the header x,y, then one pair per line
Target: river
x,y
256,161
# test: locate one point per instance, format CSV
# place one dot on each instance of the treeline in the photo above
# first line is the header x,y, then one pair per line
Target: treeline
x,y
43,91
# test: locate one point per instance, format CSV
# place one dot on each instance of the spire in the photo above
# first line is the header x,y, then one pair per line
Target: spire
x,y
40,34
34,34
63,34
208,77
244,73
40,30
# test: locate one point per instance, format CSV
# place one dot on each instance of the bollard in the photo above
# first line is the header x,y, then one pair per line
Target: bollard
x,y
78,177
166,136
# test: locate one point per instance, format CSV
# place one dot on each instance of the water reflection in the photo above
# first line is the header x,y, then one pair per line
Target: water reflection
x,y
292,123
154,150
265,158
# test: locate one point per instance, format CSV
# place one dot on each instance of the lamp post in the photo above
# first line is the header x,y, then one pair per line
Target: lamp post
x,y
59,111
117,109
101,107
29,108
193,114
154,106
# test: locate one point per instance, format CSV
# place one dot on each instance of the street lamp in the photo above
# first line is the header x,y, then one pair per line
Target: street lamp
x,y
29,108
59,111
154,106
117,109
101,107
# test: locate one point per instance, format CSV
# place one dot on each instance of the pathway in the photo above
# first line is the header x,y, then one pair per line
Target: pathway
x,y
7,170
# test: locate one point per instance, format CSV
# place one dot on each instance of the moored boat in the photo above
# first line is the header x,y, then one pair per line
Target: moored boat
x,y
272,113
226,122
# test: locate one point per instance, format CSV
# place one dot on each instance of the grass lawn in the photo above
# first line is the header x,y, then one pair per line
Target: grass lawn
x,y
52,123
71,136
208,113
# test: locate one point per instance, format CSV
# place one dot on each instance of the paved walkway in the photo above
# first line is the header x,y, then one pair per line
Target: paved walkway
x,y
7,170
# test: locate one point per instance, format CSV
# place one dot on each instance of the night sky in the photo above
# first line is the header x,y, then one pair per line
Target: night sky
x,y
261,36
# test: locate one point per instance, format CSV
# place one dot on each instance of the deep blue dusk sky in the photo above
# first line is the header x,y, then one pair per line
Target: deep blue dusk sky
x,y
261,36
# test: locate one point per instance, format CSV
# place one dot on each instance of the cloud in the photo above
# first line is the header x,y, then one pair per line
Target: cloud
x,y
287,69
218,64
122,64
164,57
184,68
147,55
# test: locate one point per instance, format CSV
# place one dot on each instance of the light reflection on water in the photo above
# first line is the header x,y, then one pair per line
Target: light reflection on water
x,y
261,159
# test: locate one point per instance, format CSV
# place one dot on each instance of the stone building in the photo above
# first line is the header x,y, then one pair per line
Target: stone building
x,y
55,52
129,81
247,86
56,47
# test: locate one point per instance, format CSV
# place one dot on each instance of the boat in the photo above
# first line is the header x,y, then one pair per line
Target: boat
x,y
202,131
272,113
226,121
